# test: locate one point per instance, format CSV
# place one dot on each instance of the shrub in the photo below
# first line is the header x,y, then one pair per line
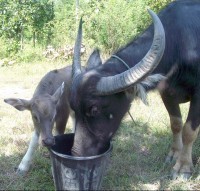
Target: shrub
x,y
109,24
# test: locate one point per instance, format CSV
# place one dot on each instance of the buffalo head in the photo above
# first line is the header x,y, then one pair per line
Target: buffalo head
x,y
99,94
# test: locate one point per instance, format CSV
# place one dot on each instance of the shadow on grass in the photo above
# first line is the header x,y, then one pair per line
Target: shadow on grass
x,y
38,178
137,163
138,157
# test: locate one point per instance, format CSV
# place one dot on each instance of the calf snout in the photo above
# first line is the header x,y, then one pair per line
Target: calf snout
x,y
48,142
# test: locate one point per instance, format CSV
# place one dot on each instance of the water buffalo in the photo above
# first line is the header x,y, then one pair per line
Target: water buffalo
x,y
165,56
48,106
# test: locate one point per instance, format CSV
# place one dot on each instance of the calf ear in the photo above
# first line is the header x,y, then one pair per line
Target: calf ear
x,y
19,104
56,96
94,60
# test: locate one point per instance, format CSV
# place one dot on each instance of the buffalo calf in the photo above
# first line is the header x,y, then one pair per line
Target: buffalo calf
x,y
49,105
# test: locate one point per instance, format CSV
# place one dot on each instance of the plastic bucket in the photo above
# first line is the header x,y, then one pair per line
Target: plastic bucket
x,y
76,173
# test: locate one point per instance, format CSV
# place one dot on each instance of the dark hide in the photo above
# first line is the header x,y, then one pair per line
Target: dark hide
x,y
98,116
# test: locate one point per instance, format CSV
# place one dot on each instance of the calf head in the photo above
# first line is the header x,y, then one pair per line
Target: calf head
x,y
43,111
100,99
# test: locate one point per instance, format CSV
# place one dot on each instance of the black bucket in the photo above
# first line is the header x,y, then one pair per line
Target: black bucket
x,y
76,173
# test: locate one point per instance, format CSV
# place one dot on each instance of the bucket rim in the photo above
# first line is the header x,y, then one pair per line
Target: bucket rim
x,y
83,158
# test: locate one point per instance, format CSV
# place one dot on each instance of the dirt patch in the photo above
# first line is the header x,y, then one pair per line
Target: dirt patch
x,y
15,91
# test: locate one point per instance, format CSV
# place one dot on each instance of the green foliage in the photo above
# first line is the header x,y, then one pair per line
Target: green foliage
x,y
42,14
108,24
29,54
64,23
20,18
111,23
157,5
3,48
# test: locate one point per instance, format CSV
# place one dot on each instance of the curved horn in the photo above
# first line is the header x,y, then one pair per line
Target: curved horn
x,y
76,66
120,82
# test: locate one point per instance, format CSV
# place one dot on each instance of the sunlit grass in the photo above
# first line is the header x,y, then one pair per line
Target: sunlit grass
x,y
139,147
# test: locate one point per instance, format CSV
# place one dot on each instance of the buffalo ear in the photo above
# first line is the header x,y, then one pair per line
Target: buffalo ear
x,y
57,95
94,60
19,104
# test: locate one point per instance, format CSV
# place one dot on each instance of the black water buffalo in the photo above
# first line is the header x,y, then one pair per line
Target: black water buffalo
x,y
167,59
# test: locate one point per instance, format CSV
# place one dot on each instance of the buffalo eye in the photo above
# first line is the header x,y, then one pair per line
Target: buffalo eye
x,y
111,116
93,111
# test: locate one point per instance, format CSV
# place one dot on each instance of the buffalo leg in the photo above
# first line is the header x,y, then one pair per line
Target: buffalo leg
x,y
184,162
176,126
26,162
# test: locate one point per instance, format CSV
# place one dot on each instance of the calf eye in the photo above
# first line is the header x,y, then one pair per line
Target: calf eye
x,y
36,119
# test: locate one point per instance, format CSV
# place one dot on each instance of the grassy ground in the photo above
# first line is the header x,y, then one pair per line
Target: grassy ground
x,y
139,149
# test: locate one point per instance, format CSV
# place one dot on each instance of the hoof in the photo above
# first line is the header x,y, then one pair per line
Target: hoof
x,y
20,172
174,175
184,176
168,159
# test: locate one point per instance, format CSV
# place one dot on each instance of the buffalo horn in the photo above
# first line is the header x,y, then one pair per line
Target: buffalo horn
x,y
76,66
120,82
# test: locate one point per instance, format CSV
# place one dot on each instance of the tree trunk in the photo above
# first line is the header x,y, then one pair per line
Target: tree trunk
x,y
34,39
22,38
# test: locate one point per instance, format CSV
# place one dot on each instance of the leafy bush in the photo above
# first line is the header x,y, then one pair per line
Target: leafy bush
x,y
3,48
18,18
111,23
108,24
29,54
157,5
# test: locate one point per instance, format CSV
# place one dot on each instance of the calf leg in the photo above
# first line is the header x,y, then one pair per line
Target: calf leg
x,y
26,162
176,126
184,162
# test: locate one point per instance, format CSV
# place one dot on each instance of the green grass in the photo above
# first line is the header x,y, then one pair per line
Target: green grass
x,y
139,148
